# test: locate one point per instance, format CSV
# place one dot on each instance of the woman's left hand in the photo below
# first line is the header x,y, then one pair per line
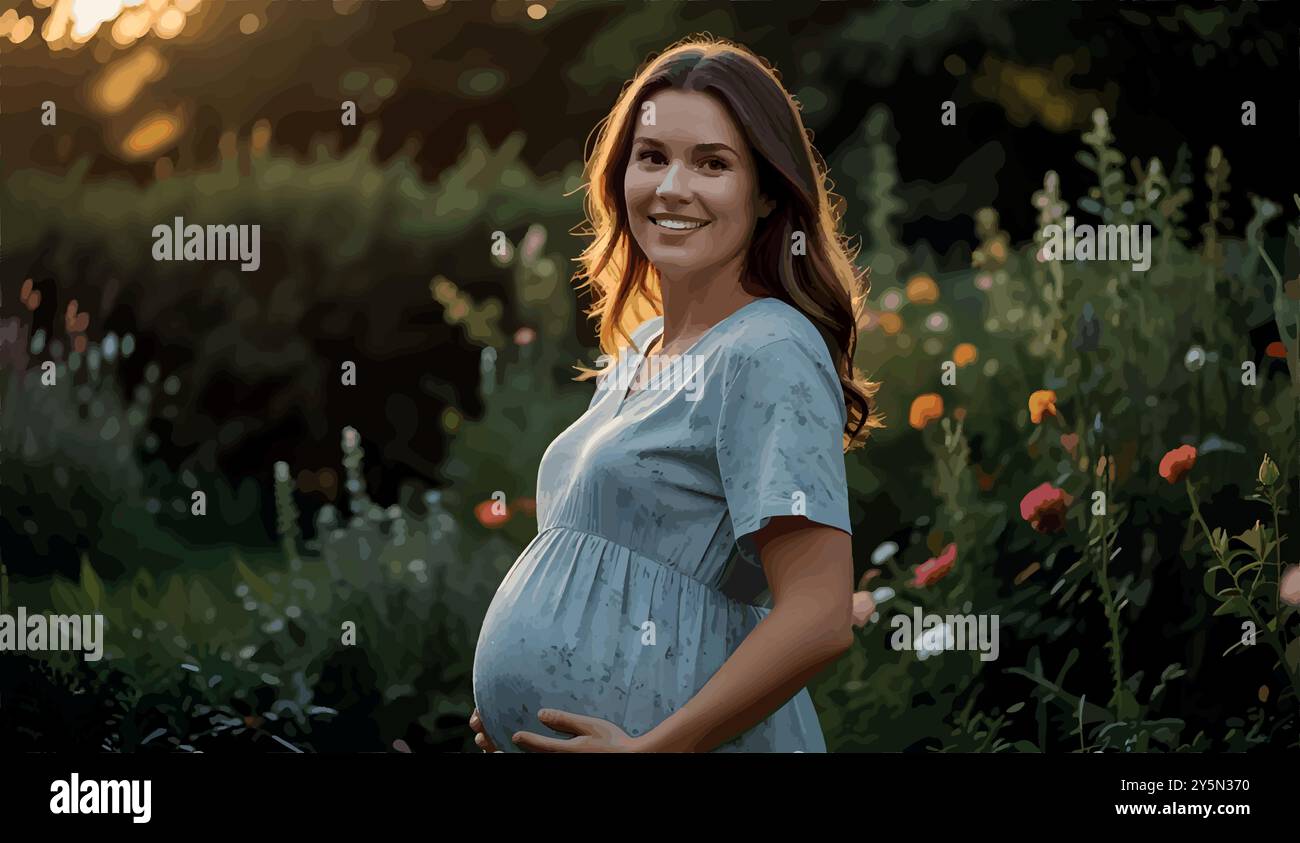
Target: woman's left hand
x,y
591,734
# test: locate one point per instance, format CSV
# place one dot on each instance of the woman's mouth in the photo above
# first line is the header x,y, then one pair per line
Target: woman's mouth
x,y
678,225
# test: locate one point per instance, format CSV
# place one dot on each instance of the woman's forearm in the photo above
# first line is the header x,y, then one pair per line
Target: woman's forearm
x,y
774,662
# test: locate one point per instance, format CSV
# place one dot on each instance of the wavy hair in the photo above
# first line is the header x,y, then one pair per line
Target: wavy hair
x,y
824,284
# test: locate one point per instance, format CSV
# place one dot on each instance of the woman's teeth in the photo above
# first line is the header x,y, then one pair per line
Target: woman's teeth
x,y
678,225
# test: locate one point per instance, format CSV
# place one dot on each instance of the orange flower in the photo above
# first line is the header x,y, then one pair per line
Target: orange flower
x,y
1177,462
932,570
922,290
1042,402
487,517
74,322
1276,349
964,354
1044,508
925,409
30,298
890,322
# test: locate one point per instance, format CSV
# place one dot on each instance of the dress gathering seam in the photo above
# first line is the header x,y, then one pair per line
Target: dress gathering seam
x,y
660,563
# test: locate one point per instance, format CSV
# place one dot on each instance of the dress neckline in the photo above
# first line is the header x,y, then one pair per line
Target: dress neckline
x,y
627,394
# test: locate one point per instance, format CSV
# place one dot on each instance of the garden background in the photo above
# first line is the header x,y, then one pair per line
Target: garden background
x,y
1124,627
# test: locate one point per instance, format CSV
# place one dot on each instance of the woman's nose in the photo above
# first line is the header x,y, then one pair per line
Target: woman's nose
x,y
673,184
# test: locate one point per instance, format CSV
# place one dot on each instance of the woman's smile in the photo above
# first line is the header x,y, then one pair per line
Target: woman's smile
x,y
677,224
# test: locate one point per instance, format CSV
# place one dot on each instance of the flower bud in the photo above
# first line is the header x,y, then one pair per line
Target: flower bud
x,y
1268,472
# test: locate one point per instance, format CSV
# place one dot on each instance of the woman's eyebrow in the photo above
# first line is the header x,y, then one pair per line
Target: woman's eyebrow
x,y
699,147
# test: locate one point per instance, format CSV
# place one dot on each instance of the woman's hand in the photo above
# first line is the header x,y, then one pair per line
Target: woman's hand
x,y
481,740
591,735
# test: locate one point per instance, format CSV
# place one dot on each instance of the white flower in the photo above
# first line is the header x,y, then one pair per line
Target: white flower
x,y
884,553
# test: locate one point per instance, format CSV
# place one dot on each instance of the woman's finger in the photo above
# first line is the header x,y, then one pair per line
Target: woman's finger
x,y
530,742
481,739
567,721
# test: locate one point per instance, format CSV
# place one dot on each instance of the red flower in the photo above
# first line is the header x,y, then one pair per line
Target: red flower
x,y
932,570
1177,462
485,515
1044,508
1276,349
528,506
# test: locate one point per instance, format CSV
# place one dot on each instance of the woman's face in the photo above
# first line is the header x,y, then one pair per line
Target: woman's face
x,y
691,186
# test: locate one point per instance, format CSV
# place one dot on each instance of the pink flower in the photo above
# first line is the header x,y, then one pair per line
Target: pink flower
x,y
864,606
1289,587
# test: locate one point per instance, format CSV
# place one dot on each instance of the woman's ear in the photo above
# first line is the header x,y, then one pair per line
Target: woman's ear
x,y
765,206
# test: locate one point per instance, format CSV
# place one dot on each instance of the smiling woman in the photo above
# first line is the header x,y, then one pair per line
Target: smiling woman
x,y
691,171
617,629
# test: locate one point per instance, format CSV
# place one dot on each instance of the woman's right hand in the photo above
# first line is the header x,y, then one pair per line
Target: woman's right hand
x,y
481,740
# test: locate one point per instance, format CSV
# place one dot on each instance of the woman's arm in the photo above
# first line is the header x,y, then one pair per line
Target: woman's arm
x,y
809,571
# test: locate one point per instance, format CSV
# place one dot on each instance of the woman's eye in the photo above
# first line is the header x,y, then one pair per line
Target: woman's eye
x,y
707,162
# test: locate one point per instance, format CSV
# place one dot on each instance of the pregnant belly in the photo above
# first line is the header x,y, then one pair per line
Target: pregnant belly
x,y
585,625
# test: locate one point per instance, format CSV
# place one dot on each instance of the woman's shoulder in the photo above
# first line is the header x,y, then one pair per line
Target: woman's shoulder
x,y
774,329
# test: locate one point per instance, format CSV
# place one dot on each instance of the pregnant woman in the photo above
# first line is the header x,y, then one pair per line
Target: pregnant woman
x,y
712,449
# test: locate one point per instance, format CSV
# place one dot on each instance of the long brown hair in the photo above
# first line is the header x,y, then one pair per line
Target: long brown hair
x,y
825,285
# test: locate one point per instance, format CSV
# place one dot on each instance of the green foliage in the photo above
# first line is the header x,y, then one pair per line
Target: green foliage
x,y
1141,363
256,649
252,648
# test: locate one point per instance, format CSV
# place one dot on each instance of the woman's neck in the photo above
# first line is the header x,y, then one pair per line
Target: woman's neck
x,y
693,305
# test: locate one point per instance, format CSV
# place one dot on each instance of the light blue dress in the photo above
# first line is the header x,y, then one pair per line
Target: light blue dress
x,y
627,600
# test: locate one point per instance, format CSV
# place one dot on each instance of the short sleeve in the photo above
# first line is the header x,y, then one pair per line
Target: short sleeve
x,y
780,441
